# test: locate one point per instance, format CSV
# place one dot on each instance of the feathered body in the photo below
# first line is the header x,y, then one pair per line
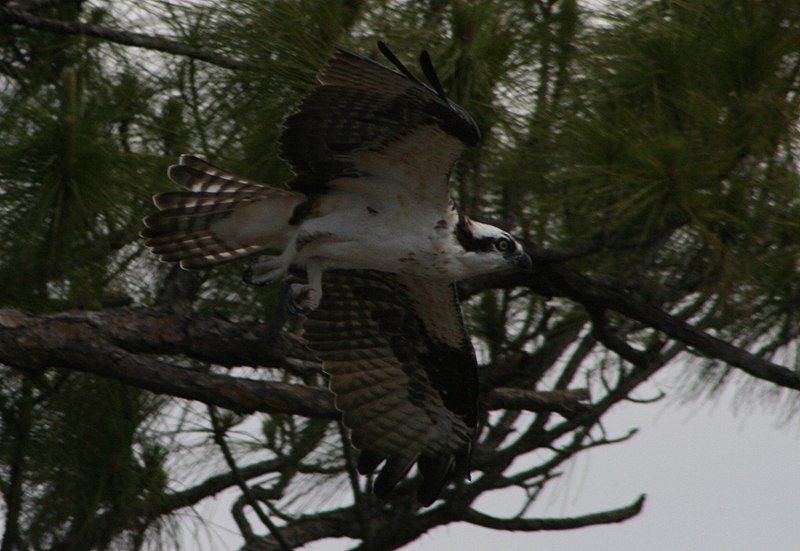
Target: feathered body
x,y
372,151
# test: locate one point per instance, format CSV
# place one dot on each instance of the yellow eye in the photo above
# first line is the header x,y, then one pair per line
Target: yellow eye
x,y
503,244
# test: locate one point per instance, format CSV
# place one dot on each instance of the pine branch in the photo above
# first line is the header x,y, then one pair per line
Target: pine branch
x,y
538,524
159,43
308,528
557,280
108,525
119,343
13,490
566,402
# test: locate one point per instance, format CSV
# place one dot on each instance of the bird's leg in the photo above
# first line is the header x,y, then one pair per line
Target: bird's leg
x,y
304,298
269,268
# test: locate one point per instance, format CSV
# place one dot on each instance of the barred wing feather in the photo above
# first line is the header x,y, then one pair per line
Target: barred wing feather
x,y
403,373
367,120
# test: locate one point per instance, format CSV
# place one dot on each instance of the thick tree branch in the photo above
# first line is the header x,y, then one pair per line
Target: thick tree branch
x,y
555,279
116,344
151,42
537,524
82,349
567,402
143,330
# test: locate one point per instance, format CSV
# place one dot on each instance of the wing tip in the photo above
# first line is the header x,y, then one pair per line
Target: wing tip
x,y
368,461
435,473
179,175
393,472
389,54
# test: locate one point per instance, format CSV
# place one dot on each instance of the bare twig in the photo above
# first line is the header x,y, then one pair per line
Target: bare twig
x,y
536,524
219,438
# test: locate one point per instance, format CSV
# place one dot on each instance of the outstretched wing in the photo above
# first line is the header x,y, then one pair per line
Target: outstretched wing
x,y
365,120
403,371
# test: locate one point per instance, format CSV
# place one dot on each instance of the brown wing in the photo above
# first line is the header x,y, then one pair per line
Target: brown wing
x,y
367,120
403,371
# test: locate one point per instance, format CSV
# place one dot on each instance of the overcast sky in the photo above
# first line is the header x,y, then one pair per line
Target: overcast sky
x,y
715,481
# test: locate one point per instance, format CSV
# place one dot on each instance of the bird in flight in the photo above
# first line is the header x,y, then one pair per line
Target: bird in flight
x,y
370,218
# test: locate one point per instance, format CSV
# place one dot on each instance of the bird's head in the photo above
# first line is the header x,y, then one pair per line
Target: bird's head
x,y
490,249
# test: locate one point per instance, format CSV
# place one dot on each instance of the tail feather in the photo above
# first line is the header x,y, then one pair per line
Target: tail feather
x,y
220,217
186,219
211,180
196,240
168,239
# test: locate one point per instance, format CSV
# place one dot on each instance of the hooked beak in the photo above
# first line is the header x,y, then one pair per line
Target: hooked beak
x,y
522,261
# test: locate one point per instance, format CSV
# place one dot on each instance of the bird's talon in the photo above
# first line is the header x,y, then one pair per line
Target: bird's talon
x,y
302,300
247,277
263,271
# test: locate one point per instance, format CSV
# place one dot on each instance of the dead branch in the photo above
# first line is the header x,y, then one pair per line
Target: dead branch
x,y
556,279
537,524
219,438
567,402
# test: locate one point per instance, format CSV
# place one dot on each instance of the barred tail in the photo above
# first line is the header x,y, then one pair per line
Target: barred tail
x,y
220,218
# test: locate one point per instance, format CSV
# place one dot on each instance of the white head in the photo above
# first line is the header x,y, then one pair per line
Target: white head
x,y
489,249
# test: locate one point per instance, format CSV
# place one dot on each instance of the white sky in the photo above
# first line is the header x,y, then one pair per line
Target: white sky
x,y
715,481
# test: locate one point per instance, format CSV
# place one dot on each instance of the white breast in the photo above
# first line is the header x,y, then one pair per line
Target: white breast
x,y
368,231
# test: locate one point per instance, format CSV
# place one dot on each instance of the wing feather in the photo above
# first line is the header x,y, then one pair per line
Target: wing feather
x,y
368,120
383,339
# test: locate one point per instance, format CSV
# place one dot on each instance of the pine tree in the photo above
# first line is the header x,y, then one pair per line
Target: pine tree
x,y
646,152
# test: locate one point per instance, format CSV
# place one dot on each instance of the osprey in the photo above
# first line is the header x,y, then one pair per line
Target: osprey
x,y
371,207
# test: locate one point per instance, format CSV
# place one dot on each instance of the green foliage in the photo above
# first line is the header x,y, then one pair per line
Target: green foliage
x,y
86,456
93,467
660,133
689,137
72,189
